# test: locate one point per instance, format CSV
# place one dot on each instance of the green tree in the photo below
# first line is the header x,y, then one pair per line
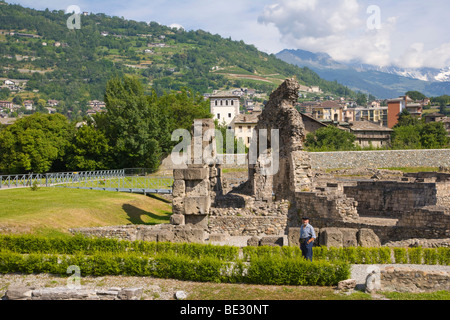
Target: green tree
x,y
330,139
406,119
416,95
433,135
131,125
406,137
37,143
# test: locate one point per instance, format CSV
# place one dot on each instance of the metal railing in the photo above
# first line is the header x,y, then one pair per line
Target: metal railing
x,y
108,180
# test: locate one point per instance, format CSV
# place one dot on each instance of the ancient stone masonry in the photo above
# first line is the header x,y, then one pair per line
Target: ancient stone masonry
x,y
282,187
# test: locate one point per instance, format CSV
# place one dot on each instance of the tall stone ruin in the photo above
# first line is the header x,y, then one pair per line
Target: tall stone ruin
x,y
196,187
294,172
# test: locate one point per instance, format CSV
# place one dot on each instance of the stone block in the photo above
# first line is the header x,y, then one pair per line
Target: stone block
x,y
217,237
130,294
271,241
165,236
179,188
18,293
149,235
195,174
197,205
253,242
177,219
331,237
294,237
347,285
178,205
349,237
196,188
189,235
367,238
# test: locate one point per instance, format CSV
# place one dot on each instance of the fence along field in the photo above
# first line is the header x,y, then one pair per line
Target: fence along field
x,y
124,180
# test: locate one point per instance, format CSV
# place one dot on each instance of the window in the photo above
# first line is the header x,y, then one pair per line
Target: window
x,y
218,116
229,115
240,128
226,102
249,128
232,102
215,102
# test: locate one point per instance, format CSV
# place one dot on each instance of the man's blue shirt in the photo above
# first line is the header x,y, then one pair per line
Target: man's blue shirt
x,y
307,232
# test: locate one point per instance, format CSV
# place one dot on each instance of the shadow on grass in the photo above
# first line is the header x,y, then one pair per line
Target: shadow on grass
x,y
136,215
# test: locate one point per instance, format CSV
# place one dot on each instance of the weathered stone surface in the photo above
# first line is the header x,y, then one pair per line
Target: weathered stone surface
x,y
347,285
367,238
179,188
294,237
197,205
180,295
177,219
271,241
349,237
217,237
406,279
18,293
130,294
65,293
331,237
253,242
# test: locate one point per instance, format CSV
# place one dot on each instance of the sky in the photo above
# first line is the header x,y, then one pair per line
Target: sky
x,y
405,33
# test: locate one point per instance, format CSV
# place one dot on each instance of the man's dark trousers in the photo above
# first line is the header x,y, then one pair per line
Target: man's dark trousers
x,y
307,249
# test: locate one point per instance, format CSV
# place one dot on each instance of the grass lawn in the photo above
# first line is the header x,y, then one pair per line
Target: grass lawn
x,y
52,211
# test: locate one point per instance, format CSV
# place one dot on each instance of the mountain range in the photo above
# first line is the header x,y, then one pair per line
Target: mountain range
x,y
382,82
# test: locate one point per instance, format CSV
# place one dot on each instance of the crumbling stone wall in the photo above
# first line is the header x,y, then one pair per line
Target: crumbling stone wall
x,y
405,279
391,198
294,171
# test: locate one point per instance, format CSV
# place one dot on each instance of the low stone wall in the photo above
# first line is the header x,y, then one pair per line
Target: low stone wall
x,y
381,159
426,217
247,226
390,198
406,279
157,233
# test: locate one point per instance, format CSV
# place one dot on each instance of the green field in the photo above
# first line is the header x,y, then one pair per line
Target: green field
x,y
52,211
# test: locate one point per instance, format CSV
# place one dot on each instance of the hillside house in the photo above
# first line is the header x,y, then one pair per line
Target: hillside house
x,y
371,134
28,104
328,111
244,126
396,106
372,113
224,108
6,104
52,103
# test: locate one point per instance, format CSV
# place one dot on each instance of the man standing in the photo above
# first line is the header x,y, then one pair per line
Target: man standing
x,y
307,237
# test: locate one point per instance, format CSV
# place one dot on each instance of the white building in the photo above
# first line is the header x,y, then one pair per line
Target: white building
x,y
224,108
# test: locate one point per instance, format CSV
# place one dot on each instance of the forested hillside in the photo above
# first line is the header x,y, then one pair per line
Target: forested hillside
x,y
73,66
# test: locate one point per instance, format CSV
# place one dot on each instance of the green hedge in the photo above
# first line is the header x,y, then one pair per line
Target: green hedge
x,y
79,244
358,255
289,271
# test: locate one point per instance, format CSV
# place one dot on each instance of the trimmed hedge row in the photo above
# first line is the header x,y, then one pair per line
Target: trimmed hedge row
x,y
358,255
80,244
288,271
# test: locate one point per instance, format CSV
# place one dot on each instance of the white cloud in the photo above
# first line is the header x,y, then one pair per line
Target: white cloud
x,y
338,27
417,56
